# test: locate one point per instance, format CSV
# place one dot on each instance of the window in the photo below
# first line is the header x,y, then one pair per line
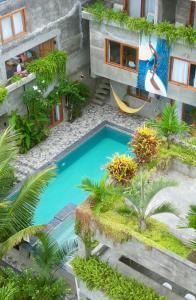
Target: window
x,y
137,93
141,8
12,25
193,14
183,72
121,55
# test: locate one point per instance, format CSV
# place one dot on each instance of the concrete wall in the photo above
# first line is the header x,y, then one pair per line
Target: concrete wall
x,y
47,19
100,32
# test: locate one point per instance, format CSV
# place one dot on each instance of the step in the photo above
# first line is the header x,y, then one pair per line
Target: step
x,y
102,91
99,96
98,102
104,86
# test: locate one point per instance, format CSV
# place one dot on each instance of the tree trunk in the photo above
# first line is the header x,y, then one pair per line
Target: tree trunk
x,y
142,224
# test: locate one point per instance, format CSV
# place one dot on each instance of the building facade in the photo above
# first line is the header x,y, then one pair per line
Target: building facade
x,y
32,29
116,51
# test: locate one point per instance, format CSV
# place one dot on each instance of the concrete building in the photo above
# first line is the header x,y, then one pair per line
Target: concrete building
x,y
113,48
32,29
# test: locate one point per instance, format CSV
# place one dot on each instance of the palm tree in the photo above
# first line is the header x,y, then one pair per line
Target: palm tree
x,y
8,292
138,197
169,124
16,216
103,194
49,256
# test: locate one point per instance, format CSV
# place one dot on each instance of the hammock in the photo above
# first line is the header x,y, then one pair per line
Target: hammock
x,y
123,106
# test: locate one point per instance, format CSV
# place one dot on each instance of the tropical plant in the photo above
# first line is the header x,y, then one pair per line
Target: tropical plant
x,y
15,78
50,67
28,285
99,275
3,93
122,168
191,217
77,95
145,145
139,196
49,256
168,124
164,30
102,194
16,216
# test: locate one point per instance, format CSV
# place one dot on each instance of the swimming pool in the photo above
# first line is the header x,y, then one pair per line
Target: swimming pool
x,y
87,160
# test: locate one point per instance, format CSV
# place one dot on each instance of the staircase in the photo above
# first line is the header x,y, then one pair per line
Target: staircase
x,y
102,91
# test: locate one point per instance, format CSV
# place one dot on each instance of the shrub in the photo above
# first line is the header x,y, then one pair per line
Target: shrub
x,y
122,168
145,145
29,286
3,93
98,275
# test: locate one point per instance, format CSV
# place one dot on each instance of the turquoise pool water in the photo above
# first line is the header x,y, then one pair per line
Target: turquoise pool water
x,y
87,160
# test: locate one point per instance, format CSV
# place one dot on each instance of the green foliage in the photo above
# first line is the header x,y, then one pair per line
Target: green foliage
x,y
191,217
122,227
27,285
103,195
139,195
50,67
3,93
163,30
31,130
77,95
191,141
16,216
184,154
15,78
98,275
49,256
169,123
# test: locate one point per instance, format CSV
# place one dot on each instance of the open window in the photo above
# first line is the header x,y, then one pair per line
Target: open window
x,y
183,72
12,25
122,56
141,8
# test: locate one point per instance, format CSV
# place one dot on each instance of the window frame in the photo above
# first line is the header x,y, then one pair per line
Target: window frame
x,y
142,8
192,13
121,66
138,94
14,35
188,77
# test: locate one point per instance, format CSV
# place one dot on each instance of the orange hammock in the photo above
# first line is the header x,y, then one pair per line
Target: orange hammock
x,y
123,106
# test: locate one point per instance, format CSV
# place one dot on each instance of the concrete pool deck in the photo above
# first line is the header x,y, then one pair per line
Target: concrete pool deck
x,y
65,134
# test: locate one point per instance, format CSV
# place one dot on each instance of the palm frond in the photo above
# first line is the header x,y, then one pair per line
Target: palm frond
x,y
23,207
155,186
16,238
191,217
8,144
8,292
6,178
165,207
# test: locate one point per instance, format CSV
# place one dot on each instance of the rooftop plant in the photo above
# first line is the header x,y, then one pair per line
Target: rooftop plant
x,y
122,168
169,123
98,275
139,195
50,67
163,30
3,93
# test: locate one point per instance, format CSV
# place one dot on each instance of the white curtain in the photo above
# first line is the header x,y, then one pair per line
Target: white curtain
x,y
135,8
6,28
180,71
149,7
18,23
194,82
57,113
